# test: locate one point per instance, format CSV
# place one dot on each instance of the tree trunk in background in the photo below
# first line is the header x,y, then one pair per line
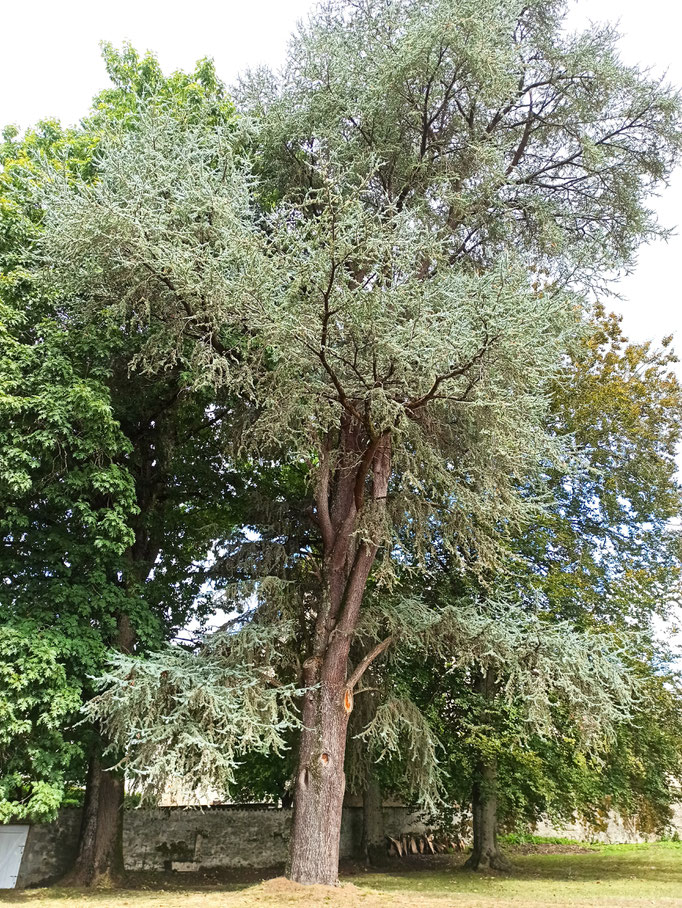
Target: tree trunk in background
x,y
80,873
372,845
99,862
486,854
373,835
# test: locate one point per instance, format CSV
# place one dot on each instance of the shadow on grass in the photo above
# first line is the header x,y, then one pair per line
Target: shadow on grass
x,y
625,871
139,883
659,864
660,861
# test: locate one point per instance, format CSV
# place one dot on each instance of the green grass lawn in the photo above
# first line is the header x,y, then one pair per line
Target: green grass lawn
x,y
615,875
608,875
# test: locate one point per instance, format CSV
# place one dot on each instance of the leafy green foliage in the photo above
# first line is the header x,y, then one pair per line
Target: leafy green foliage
x,y
608,547
605,557
111,485
37,700
138,81
545,677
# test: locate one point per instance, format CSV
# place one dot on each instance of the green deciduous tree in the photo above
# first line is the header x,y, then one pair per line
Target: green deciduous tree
x,y
66,494
108,478
37,699
604,555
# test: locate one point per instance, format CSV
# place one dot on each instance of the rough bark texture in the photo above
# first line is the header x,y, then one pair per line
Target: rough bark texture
x,y
347,561
373,835
320,786
486,854
99,862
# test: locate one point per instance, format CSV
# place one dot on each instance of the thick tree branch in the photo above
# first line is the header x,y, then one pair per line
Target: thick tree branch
x,y
322,503
365,663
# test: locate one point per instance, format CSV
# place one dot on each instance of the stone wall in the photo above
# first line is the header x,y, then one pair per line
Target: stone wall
x,y
177,838
50,849
615,830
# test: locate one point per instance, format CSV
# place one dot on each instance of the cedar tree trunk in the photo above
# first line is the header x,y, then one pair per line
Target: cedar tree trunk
x,y
347,561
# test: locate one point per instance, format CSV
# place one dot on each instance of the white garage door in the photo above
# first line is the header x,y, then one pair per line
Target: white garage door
x,y
12,841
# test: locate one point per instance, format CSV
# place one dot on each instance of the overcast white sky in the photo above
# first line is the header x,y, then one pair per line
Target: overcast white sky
x,y
50,66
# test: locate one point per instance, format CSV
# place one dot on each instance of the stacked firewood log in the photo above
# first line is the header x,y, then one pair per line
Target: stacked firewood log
x,y
426,843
